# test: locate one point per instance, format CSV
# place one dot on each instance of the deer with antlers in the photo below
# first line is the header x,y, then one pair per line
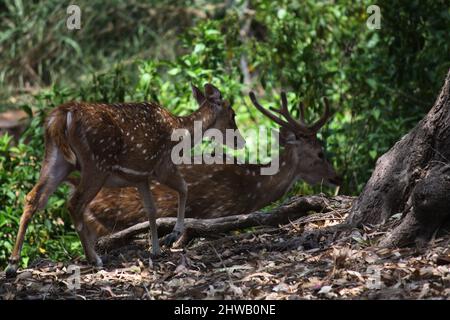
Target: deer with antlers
x,y
218,190
118,145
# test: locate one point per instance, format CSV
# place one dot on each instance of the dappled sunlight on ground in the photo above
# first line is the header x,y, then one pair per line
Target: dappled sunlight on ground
x,y
252,266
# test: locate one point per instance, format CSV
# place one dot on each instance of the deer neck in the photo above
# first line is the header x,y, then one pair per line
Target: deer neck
x,y
273,187
200,120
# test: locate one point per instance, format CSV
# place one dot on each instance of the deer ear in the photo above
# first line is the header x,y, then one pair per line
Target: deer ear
x,y
198,95
212,93
287,136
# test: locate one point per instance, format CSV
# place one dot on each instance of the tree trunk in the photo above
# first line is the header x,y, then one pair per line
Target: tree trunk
x,y
412,178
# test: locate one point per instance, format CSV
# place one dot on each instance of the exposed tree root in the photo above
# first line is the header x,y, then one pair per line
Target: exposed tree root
x,y
295,208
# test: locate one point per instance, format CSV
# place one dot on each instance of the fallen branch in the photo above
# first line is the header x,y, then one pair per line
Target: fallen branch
x,y
295,208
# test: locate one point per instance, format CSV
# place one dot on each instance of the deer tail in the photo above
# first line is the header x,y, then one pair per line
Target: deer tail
x,y
56,132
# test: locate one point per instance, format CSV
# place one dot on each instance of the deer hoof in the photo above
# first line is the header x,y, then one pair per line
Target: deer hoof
x,y
11,270
98,262
95,261
171,238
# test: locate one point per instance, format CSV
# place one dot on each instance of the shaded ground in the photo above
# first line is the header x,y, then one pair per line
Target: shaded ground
x,y
253,265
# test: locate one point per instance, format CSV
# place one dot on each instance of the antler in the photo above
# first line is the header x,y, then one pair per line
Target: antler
x,y
319,123
293,124
267,113
300,124
301,108
297,124
324,118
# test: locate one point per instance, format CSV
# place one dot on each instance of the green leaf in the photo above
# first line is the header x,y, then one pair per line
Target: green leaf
x,y
73,44
199,48
376,113
174,71
281,13
212,32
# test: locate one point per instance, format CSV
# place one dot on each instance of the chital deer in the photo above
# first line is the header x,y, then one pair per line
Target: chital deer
x,y
218,190
117,145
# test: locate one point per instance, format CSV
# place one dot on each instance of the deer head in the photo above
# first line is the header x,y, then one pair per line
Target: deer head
x,y
226,115
301,142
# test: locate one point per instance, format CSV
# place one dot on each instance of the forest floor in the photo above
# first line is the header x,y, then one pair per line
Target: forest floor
x,y
251,265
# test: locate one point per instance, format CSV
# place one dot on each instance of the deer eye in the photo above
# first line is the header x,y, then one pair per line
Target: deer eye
x,y
321,155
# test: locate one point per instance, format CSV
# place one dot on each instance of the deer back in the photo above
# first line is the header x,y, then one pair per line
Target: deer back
x,y
125,135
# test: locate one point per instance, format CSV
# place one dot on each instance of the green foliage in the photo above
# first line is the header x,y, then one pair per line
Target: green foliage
x,y
37,49
380,82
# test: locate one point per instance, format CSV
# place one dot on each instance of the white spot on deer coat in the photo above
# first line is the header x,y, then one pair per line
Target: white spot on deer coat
x,y
131,171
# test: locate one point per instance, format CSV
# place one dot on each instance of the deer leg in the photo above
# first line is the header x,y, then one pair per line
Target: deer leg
x,y
175,181
150,208
83,195
54,170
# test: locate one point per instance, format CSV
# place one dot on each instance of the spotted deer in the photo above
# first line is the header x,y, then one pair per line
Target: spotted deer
x,y
118,145
218,190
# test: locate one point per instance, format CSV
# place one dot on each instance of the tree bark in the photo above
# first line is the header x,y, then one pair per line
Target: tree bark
x,y
295,208
412,179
